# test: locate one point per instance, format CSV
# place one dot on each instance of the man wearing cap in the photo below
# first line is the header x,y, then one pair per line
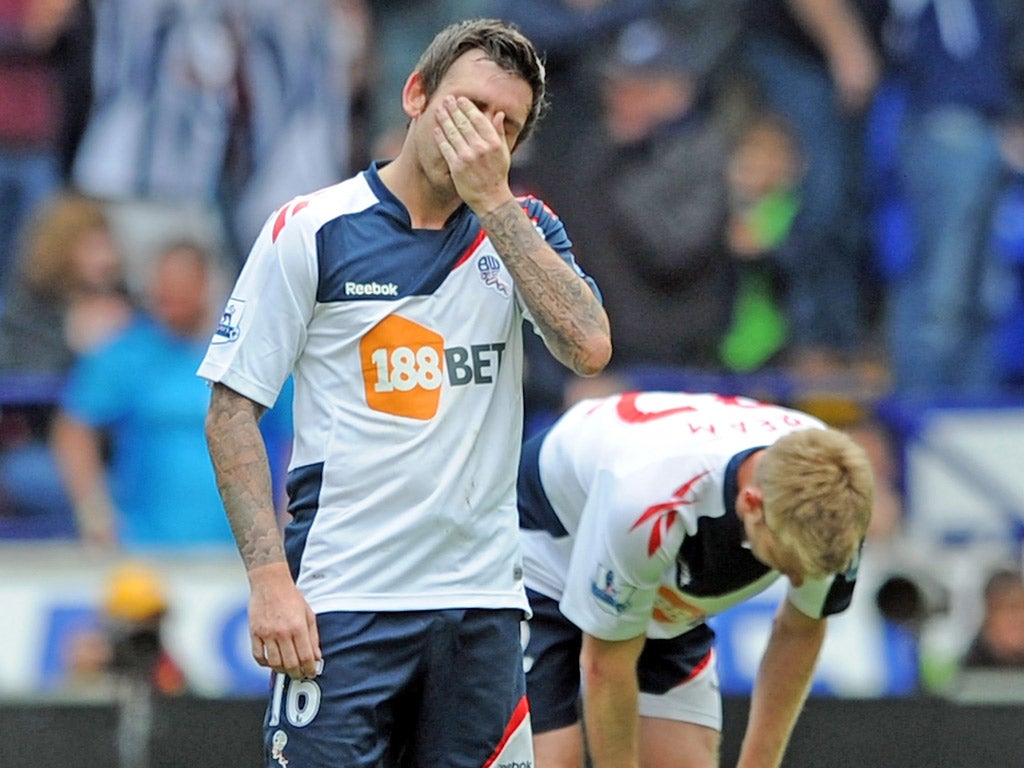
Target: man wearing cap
x,y
647,190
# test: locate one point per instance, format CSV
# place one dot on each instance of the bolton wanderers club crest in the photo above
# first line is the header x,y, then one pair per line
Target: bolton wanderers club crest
x,y
278,742
490,272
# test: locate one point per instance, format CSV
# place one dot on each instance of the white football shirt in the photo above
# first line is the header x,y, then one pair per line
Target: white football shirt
x,y
405,346
634,529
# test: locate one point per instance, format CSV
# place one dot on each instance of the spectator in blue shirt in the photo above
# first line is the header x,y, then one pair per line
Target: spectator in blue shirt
x,y
129,435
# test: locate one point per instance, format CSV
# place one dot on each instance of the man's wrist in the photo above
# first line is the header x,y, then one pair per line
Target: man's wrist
x,y
269,573
493,206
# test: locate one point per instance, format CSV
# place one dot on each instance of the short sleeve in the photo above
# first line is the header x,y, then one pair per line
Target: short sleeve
x,y
819,598
626,540
264,324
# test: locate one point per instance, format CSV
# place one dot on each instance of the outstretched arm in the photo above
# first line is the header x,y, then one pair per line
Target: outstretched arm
x,y
611,700
282,627
783,680
570,318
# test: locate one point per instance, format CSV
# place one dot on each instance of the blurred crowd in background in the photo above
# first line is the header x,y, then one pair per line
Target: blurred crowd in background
x,y
813,201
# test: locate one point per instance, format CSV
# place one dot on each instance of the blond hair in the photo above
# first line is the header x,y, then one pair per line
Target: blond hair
x,y
817,489
49,240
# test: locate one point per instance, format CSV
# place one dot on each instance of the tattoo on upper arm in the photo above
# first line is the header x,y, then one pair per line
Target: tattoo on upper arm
x,y
243,475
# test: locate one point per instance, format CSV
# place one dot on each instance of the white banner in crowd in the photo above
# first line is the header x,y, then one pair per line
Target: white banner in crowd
x,y
50,593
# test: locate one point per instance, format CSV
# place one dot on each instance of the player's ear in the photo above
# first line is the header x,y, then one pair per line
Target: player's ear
x,y
414,96
753,502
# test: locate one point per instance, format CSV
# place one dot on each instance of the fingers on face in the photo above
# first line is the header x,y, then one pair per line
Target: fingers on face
x,y
473,117
448,120
447,152
462,122
461,115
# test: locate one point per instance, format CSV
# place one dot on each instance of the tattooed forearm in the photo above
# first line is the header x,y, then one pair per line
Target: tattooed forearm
x,y
570,317
243,475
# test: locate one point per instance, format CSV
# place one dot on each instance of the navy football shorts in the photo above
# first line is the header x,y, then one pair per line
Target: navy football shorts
x,y
413,689
677,677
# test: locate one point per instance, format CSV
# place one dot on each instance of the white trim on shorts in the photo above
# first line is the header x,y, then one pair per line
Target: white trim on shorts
x,y
697,700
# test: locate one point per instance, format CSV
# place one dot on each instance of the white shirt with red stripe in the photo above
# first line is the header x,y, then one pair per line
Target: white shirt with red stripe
x,y
649,540
405,346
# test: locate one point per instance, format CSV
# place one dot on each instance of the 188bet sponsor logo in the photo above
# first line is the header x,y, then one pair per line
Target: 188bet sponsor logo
x,y
405,363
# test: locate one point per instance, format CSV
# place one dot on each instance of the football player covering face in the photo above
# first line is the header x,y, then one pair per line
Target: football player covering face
x,y
463,136
381,275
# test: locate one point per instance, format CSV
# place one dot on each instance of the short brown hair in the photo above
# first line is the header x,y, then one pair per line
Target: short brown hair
x,y
502,43
817,487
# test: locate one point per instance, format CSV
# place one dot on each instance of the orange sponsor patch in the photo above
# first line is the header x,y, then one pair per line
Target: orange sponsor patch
x,y
403,366
670,608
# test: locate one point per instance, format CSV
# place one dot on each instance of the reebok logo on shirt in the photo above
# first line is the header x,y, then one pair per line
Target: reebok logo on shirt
x,y
370,289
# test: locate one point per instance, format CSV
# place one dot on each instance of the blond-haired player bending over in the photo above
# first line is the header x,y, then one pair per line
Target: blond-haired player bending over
x,y
642,515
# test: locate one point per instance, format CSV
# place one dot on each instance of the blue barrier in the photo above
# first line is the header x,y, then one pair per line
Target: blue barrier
x,y
29,388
